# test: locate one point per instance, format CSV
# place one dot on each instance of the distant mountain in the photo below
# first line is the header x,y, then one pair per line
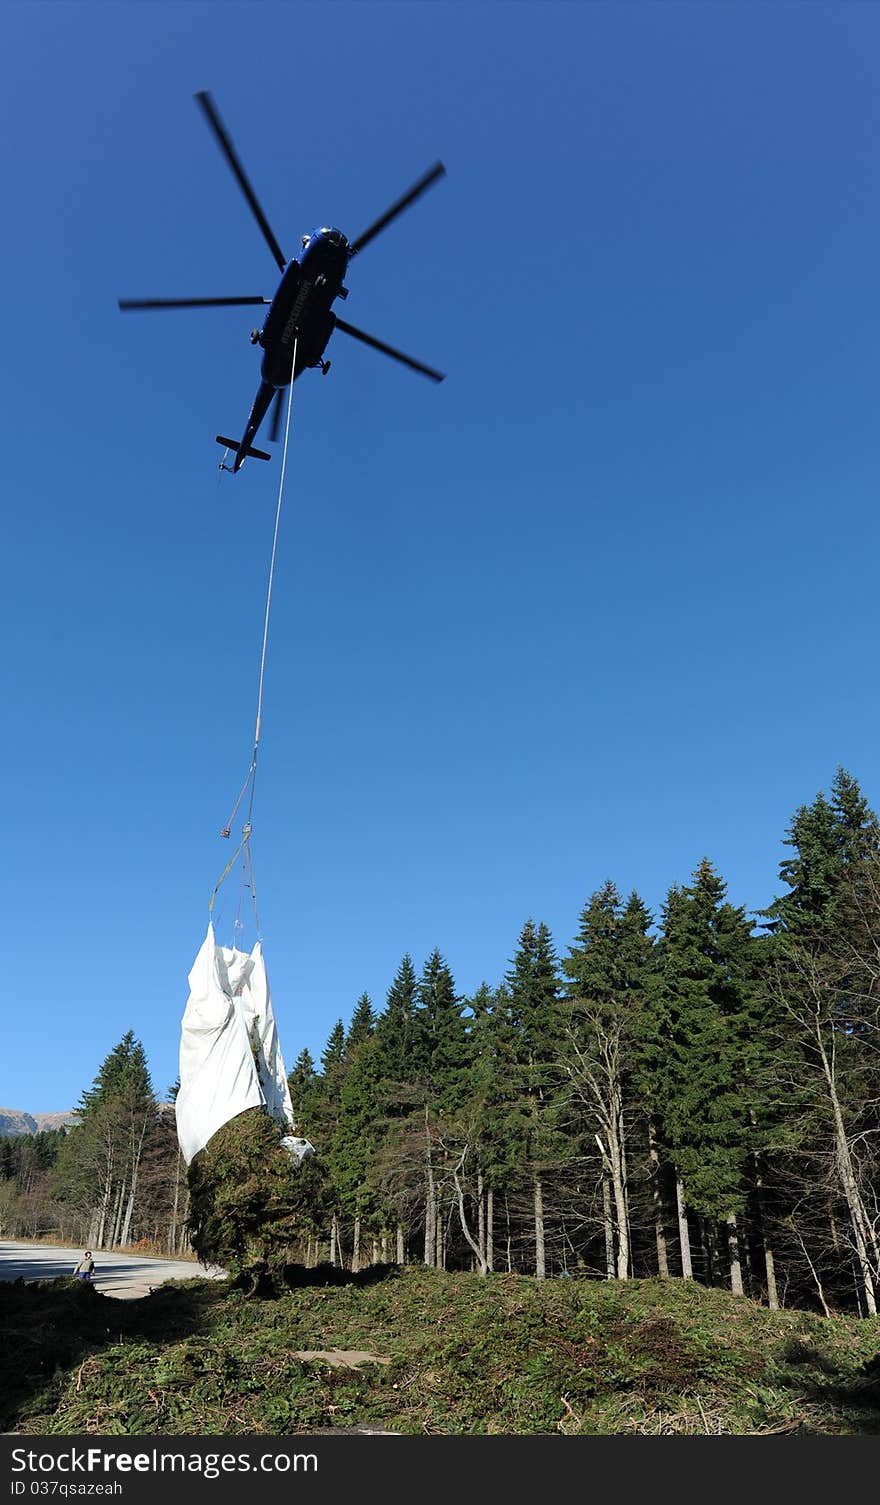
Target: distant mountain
x,y
14,1121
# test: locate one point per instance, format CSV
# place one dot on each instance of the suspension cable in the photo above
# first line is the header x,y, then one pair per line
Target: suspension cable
x,y
251,777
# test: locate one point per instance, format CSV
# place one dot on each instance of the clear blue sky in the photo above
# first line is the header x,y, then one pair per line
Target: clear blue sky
x,y
602,604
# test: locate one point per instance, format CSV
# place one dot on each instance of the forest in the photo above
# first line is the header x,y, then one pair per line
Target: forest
x,y
689,1095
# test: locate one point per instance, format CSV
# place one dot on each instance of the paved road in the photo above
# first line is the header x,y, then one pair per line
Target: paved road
x,y
125,1275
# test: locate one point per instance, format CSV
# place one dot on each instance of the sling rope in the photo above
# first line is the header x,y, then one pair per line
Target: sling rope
x,y
251,777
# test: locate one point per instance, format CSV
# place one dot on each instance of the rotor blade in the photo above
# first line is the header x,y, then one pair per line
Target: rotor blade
x,y
396,355
431,176
275,427
126,304
217,126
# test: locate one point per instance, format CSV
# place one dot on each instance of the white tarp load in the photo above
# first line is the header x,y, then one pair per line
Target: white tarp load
x,y
229,1008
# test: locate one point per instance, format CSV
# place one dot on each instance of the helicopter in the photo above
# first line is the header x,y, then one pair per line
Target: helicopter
x,y
300,317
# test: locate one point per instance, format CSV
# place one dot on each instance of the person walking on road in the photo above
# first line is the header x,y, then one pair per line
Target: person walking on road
x,y
86,1266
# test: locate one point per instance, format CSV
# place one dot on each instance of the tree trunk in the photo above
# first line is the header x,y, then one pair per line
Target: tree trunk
x,y
614,1180
440,1259
476,1248
430,1222
769,1262
657,1202
481,1224
617,1156
400,1246
707,1240
736,1280
683,1235
356,1247
430,1202
609,1228
334,1236
835,1232
540,1260
184,1220
117,1218
172,1238
108,1157
137,1151
863,1231
129,1210
490,1229
770,1272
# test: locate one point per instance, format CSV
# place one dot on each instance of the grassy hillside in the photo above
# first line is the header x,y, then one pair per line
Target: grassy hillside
x,y
500,1355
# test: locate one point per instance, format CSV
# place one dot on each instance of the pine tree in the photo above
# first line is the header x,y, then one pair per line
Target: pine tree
x,y
400,1096
535,1024
353,1145
333,1058
490,1127
363,1022
100,1163
441,1058
822,977
440,1043
121,1072
691,1053
609,969
396,1029
303,1083
830,839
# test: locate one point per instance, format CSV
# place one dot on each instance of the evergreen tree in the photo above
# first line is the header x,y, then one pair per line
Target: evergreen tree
x,y
353,1145
303,1082
100,1163
333,1058
401,1093
124,1071
821,977
440,1051
440,1043
692,1051
609,969
363,1022
830,839
494,1089
489,1123
535,1027
396,1028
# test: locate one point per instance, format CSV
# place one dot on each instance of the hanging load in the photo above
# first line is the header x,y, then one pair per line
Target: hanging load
x,y
230,1056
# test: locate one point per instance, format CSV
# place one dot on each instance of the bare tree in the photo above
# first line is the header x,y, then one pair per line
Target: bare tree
x,y
593,1065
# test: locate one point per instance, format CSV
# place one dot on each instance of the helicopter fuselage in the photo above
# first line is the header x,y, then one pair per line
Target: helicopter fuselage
x,y
300,312
300,318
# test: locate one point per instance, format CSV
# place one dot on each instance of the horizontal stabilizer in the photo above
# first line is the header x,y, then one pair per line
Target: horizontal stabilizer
x,y
254,454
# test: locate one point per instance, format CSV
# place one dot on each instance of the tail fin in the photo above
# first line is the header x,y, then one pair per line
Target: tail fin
x,y
254,454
